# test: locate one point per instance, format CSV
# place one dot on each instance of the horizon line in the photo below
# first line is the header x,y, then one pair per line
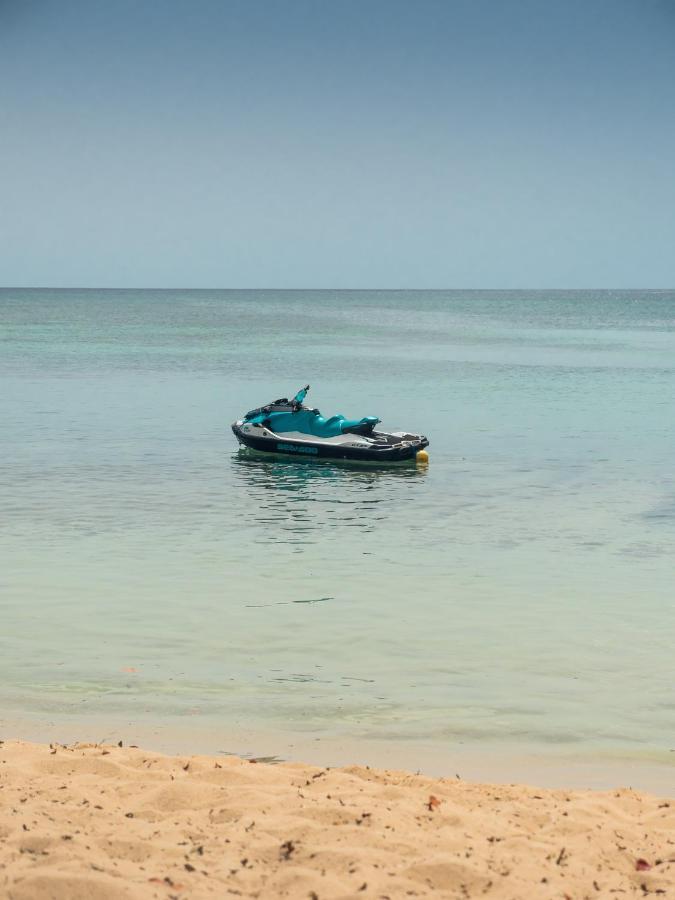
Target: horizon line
x,y
45,287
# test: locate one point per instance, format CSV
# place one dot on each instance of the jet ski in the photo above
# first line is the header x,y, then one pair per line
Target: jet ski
x,y
292,429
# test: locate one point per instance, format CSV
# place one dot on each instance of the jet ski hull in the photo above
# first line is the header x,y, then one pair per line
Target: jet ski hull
x,y
380,449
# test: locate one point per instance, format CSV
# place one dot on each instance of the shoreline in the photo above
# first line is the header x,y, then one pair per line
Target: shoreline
x,y
104,822
559,766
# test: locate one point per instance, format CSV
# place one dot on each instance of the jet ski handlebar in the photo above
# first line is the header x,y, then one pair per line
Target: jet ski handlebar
x,y
281,405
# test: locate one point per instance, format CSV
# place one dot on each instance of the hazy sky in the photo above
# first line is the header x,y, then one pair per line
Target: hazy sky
x,y
337,143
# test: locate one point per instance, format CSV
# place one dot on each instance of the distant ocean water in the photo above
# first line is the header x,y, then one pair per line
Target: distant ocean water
x,y
520,592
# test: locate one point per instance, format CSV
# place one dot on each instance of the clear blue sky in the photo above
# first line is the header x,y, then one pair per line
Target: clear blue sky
x,y
337,143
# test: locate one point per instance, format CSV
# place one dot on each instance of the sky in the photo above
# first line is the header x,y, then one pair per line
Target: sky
x,y
337,143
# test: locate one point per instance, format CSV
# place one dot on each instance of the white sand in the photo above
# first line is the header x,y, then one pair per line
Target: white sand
x,y
99,823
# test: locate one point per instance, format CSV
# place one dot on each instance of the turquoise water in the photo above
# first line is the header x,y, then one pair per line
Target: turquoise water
x,y
517,592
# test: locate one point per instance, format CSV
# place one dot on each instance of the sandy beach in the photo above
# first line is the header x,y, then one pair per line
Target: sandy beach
x,y
99,822
337,494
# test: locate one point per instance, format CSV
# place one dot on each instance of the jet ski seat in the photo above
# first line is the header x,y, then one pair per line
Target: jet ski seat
x,y
311,422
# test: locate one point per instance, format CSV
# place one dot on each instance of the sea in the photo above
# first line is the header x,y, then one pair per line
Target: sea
x,y
514,599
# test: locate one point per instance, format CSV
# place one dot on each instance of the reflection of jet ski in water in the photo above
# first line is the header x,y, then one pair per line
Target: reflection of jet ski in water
x,y
288,427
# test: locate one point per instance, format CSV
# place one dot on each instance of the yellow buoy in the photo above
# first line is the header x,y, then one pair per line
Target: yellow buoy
x,y
422,456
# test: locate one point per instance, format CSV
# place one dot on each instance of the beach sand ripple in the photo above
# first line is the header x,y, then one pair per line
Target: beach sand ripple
x,y
110,823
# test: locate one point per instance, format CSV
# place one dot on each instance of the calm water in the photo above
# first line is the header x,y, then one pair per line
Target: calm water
x,y
518,592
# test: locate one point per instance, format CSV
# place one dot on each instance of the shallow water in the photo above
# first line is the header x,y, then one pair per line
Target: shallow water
x,y
517,592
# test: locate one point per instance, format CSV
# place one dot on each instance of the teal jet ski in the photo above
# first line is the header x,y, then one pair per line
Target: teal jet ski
x,y
290,428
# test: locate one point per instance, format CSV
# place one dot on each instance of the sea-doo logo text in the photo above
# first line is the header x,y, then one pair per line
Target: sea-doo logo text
x,y
293,448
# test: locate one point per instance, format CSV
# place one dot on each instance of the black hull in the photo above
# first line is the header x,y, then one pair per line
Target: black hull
x,y
306,450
